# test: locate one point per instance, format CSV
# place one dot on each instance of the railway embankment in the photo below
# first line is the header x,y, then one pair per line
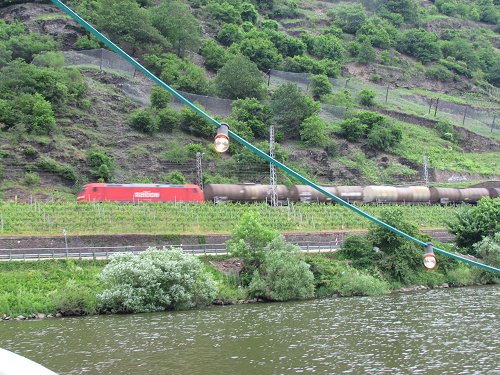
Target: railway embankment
x,y
25,244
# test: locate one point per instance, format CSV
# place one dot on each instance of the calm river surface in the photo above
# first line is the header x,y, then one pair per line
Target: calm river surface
x,y
454,331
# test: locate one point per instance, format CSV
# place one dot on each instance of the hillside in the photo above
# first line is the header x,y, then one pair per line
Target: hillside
x,y
352,88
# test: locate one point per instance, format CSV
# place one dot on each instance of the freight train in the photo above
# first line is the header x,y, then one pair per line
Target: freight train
x,y
217,193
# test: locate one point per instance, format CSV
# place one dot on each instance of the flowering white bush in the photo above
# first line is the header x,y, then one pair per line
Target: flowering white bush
x,y
155,280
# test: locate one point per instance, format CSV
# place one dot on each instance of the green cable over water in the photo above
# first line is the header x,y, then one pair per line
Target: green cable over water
x,y
257,151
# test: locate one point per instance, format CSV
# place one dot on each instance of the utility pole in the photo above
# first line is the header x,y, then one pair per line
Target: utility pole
x,y
199,170
426,170
272,169
493,123
102,59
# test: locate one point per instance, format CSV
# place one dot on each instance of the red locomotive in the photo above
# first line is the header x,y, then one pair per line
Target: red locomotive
x,y
102,192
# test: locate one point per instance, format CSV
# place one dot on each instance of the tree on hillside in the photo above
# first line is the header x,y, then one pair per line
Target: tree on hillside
x,y
195,124
350,17
16,43
223,12
230,33
320,85
248,13
488,11
143,121
408,9
291,108
55,85
255,114
313,132
240,78
31,113
159,97
494,75
420,44
328,47
175,22
379,31
287,45
214,55
366,54
181,74
261,51
124,22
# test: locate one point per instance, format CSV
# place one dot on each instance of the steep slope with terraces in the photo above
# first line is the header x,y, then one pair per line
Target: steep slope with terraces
x,y
54,164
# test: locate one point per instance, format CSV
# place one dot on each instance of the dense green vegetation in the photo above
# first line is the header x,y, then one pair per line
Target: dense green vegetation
x,y
158,280
76,126
49,104
473,224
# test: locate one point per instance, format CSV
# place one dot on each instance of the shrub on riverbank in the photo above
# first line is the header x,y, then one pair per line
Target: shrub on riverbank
x,y
489,250
388,255
471,224
334,277
283,275
155,280
248,241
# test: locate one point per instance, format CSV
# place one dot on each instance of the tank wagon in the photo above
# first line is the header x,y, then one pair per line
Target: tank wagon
x,y
243,193
352,194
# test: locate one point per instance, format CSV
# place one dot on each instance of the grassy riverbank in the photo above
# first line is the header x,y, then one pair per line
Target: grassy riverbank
x,y
153,218
70,287
49,286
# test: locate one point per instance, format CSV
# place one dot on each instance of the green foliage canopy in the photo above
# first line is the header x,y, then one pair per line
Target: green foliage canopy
x,y
313,131
143,121
472,223
177,24
181,74
255,114
240,78
328,47
320,85
420,44
159,97
350,17
124,22
291,108
195,124
248,240
284,275
261,51
214,55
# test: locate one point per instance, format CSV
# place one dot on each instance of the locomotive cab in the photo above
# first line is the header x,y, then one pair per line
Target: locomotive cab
x,y
91,193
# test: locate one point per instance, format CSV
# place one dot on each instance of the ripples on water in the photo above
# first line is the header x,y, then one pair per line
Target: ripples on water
x,y
439,331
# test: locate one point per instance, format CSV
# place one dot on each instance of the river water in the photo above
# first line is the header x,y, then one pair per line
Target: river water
x,y
446,331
